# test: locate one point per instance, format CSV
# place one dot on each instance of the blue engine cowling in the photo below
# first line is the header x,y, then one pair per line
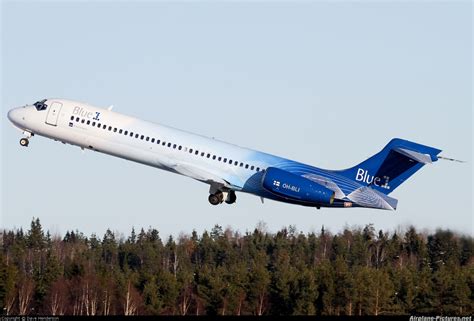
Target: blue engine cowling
x,y
294,187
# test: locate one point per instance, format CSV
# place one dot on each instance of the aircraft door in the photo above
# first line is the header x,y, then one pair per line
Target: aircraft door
x,y
53,113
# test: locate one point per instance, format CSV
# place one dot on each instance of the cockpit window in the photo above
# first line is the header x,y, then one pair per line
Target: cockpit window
x,y
40,105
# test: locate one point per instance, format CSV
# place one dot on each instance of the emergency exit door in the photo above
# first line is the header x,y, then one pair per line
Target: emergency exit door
x,y
53,113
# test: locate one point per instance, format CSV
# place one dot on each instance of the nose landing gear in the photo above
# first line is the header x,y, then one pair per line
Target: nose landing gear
x,y
24,142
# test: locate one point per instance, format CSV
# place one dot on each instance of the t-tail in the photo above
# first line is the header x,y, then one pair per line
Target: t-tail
x,y
392,166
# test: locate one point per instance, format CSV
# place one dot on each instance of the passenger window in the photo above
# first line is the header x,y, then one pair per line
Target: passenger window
x,y
147,138
83,121
169,144
158,141
225,160
197,152
174,146
93,124
241,164
180,147
214,157
152,140
110,128
164,143
115,129
131,134
190,150
72,117
258,169
77,119
219,158
104,126
202,153
126,133
120,131
230,161
88,122
246,166
136,135
252,167
142,136
236,163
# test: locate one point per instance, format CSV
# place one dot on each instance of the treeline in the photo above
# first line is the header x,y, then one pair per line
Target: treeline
x,y
358,271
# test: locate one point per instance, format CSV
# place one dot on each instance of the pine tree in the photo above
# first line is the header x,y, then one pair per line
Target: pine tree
x,y
355,272
325,279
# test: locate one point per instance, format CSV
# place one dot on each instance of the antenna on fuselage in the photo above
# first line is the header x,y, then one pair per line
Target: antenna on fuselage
x,y
110,107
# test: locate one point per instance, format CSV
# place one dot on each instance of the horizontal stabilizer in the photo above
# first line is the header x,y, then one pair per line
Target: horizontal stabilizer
x,y
368,197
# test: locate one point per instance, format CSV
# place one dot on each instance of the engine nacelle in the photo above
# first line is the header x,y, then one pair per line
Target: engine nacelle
x,y
294,187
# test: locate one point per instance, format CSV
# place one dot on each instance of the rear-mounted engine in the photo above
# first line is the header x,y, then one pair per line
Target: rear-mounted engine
x,y
294,187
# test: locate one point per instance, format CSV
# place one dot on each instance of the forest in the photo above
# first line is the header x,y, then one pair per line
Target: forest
x,y
358,271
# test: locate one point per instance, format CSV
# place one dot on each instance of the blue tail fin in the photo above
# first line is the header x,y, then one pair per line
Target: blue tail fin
x,y
392,166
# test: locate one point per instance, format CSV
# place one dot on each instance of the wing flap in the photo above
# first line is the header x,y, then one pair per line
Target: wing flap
x,y
198,173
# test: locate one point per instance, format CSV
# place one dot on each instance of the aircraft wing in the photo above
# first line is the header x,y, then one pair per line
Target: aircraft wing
x,y
203,175
200,174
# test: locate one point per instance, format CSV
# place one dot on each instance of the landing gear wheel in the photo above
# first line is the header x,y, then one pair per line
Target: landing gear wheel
x,y
231,198
214,199
24,142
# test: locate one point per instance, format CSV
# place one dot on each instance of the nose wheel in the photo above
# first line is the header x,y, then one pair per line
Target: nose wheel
x,y
24,142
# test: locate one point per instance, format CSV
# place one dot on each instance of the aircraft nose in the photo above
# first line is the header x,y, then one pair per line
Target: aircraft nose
x,y
14,115
11,114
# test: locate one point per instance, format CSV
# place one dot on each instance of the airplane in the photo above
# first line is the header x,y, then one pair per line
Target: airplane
x,y
225,167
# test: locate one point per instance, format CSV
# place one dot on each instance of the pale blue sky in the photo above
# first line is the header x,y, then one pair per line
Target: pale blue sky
x,y
324,83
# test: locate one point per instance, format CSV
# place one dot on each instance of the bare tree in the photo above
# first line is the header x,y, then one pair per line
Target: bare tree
x,y
25,294
90,295
107,296
262,303
9,302
106,302
57,296
185,299
75,293
132,300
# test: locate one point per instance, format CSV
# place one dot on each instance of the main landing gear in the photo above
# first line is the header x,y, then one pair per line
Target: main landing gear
x,y
219,197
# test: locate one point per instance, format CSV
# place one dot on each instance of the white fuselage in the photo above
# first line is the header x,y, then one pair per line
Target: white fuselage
x,y
222,165
227,168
